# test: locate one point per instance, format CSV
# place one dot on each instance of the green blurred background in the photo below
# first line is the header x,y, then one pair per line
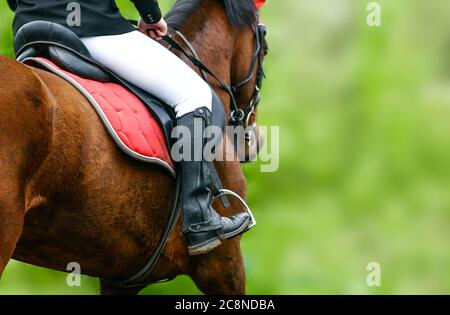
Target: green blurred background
x,y
364,116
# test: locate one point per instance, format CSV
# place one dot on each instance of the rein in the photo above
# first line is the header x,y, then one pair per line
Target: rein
x,y
192,49
238,116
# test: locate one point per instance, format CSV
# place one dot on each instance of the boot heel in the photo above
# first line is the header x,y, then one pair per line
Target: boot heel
x,y
204,247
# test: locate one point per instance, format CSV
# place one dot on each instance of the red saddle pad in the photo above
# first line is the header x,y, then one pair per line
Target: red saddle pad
x,y
126,118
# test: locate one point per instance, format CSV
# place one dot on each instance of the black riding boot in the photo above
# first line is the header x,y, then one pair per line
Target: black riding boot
x,y
203,227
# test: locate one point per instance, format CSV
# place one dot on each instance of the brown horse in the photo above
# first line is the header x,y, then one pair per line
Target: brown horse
x,y
67,194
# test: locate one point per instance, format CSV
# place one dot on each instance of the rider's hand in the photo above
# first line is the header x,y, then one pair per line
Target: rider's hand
x,y
155,31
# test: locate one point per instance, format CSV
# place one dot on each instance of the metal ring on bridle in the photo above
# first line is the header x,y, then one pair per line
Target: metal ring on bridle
x,y
237,115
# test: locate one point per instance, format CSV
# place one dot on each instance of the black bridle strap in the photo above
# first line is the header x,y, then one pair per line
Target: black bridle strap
x,y
255,60
202,67
192,49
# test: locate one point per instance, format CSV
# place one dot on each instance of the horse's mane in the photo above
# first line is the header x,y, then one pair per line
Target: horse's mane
x,y
239,12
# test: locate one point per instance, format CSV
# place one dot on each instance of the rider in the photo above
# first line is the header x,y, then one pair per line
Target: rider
x,y
114,42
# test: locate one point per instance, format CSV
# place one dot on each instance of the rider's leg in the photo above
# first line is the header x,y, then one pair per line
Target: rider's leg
x,y
148,65
202,225
151,67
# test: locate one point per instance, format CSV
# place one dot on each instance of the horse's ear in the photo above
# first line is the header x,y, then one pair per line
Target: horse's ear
x,y
259,3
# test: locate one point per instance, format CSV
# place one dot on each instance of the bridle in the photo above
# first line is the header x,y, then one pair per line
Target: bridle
x,y
239,115
243,114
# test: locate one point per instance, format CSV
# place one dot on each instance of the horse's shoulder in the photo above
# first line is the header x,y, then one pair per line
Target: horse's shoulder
x,y
13,72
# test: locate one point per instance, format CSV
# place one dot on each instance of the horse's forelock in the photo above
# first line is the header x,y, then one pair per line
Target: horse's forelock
x,y
239,12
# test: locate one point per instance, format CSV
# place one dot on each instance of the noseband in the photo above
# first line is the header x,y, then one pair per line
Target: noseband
x,y
240,115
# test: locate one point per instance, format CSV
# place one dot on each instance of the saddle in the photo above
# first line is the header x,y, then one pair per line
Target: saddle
x,y
139,123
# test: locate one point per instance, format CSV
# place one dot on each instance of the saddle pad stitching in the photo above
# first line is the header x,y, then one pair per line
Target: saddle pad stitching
x,y
136,111
93,91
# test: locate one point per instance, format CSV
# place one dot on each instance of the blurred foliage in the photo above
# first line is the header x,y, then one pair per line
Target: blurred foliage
x,y
365,154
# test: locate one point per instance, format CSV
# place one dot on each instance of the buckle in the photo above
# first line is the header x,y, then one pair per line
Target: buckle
x,y
237,115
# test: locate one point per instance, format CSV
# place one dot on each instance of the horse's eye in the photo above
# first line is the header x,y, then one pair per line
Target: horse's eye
x,y
265,47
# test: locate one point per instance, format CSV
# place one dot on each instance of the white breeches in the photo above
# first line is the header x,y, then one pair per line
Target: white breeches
x,y
151,67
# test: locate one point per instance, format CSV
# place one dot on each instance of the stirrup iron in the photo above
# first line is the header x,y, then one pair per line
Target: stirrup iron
x,y
227,192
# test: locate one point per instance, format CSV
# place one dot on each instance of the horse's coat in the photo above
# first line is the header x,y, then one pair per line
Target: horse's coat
x,y
67,194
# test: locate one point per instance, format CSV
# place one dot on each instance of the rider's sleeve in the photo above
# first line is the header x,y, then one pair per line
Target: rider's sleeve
x,y
149,10
12,4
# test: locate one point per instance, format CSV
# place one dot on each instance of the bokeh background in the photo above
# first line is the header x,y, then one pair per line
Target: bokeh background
x,y
364,116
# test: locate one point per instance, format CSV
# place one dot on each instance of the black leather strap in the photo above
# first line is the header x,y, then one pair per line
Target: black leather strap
x,y
215,183
239,115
